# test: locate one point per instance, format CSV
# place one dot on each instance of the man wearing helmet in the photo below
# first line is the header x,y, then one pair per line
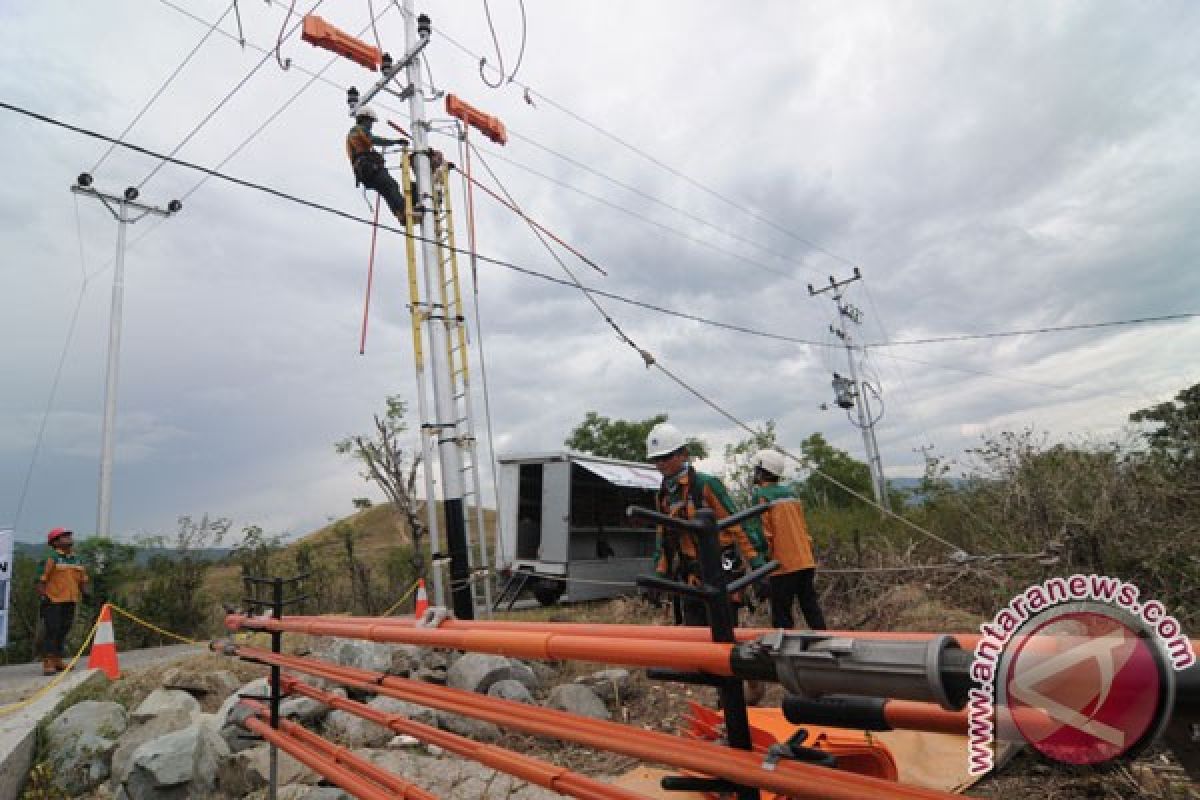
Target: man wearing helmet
x,y
786,534
367,162
61,588
683,491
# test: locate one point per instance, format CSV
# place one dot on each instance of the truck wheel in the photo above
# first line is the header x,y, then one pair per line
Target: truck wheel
x,y
548,591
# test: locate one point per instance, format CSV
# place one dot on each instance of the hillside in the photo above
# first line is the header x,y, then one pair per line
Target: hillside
x,y
381,542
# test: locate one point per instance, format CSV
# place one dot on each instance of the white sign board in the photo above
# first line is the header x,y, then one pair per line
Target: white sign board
x,y
6,571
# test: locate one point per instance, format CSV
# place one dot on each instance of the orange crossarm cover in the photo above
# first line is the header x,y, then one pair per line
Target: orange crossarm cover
x,y
320,33
489,126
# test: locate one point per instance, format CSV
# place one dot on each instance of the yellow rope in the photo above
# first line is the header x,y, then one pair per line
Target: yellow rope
x,y
57,678
150,625
400,602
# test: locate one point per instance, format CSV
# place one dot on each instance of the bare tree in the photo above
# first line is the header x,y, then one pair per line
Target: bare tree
x,y
393,468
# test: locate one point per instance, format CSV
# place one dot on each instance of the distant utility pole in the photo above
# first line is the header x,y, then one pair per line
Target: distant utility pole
x,y
849,391
120,208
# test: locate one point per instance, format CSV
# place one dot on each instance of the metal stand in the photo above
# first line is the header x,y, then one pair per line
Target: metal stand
x,y
275,606
715,593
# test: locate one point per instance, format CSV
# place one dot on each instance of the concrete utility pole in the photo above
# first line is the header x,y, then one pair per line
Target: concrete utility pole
x,y
849,391
437,322
120,208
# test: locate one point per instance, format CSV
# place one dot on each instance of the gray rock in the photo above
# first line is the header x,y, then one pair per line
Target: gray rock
x,y
520,671
436,676
608,684
140,733
250,770
417,713
162,701
304,710
577,699
455,778
406,659
81,742
547,675
476,672
220,682
437,659
89,717
182,764
371,656
351,731
509,689
475,729
259,687
298,791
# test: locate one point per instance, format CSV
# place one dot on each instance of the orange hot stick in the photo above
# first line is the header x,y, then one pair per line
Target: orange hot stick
x,y
793,779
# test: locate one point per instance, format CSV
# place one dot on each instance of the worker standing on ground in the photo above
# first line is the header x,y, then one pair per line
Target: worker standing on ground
x,y
369,168
683,491
61,589
786,534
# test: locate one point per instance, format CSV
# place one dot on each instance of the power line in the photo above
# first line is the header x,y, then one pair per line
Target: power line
x,y
232,92
1048,329
58,370
595,198
530,91
213,173
163,87
657,201
649,359
652,361
314,77
642,217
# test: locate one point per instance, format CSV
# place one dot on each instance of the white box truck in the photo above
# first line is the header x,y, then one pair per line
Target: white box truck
x,y
563,533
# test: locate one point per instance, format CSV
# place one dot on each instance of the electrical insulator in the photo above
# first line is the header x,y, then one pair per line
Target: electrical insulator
x,y
843,389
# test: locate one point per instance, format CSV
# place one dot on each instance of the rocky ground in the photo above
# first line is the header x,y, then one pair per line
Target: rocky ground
x,y
168,733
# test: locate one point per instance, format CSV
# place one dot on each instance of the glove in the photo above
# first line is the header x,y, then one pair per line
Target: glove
x,y
757,562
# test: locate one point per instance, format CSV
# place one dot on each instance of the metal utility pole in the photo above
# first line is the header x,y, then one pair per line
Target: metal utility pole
x,y
849,391
120,208
437,322
449,428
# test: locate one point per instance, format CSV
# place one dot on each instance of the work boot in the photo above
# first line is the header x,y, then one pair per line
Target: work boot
x,y
59,664
48,666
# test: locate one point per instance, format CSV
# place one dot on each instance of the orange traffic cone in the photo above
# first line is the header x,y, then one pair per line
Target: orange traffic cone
x,y
104,647
422,599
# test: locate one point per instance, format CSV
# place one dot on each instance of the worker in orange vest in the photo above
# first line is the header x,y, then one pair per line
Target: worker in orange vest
x,y
61,589
786,533
683,491
367,162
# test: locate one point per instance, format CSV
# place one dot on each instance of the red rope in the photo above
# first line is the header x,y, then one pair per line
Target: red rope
x,y
537,225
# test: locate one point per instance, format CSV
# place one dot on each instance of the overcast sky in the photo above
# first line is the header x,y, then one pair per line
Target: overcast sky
x,y
989,167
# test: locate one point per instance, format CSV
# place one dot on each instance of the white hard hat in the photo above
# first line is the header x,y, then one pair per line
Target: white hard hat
x,y
771,461
368,112
663,440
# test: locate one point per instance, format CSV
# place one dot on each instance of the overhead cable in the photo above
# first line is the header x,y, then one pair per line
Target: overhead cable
x,y
652,361
595,198
230,95
963,337
213,173
58,370
531,92
643,218
163,87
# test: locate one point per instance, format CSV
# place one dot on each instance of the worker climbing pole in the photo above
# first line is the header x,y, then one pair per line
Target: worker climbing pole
x,y
438,321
